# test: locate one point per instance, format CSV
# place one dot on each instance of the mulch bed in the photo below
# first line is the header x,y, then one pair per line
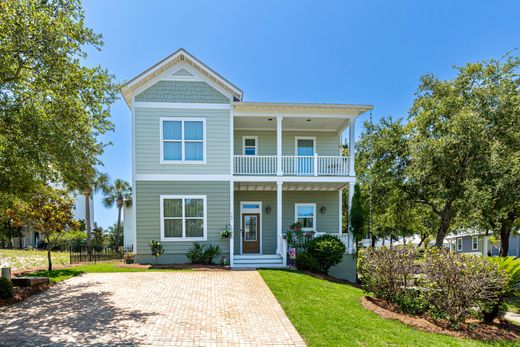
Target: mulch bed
x,y
22,293
472,329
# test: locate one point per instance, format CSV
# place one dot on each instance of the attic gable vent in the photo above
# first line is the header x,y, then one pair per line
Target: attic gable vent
x,y
182,73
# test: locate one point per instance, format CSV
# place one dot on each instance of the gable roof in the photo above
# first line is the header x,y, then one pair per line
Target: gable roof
x,y
181,55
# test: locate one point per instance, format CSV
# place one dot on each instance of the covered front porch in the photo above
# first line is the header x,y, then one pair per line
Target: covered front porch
x,y
263,212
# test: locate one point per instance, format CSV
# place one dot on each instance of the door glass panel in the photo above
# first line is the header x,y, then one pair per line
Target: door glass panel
x,y
305,147
250,228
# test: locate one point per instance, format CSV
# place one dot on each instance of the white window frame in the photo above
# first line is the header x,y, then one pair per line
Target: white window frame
x,y
296,138
244,138
182,140
251,210
183,218
315,220
473,248
459,244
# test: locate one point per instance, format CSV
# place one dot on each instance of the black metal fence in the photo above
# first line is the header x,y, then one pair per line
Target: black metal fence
x,y
92,255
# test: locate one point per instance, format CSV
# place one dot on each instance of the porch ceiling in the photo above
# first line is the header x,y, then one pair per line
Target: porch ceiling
x,y
290,186
301,123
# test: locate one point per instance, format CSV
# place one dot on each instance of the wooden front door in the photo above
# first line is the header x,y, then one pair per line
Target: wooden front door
x,y
251,233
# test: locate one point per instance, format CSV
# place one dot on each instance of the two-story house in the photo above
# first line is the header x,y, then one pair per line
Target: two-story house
x,y
204,160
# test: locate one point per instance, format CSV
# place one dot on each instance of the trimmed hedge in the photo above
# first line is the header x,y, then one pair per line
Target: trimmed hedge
x,y
328,250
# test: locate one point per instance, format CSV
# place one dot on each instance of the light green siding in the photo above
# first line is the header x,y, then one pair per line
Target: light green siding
x,y
148,216
326,142
183,92
326,222
147,141
268,223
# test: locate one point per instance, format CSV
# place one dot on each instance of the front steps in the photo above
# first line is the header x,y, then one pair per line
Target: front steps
x,y
258,261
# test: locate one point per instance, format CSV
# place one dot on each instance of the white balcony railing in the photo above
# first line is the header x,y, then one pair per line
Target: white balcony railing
x,y
291,165
255,164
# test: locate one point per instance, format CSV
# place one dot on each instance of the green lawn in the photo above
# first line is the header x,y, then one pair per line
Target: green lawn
x,y
63,274
21,259
330,314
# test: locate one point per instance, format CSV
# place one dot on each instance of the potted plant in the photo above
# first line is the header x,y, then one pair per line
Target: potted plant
x,y
226,233
129,258
296,241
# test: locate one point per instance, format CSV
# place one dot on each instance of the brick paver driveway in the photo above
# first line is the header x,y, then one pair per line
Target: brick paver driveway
x,y
181,308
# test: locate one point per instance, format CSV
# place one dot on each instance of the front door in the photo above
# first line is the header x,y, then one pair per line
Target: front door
x,y
251,233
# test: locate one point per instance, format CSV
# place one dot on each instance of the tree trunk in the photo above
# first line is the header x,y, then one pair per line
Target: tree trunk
x,y
373,241
446,216
505,232
423,238
118,231
87,216
49,256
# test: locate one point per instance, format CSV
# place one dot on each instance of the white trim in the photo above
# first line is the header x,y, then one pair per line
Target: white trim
x,y
473,248
290,115
183,141
314,219
181,177
310,179
340,207
296,138
134,188
183,218
251,211
459,244
288,129
180,105
232,223
249,137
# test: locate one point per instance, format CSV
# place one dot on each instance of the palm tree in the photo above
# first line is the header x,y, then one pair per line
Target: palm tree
x,y
120,194
99,181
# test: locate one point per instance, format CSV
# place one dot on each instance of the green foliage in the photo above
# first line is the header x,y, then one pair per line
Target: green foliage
x,y
511,266
387,272
328,250
357,215
6,288
52,106
119,194
156,248
306,262
225,234
202,254
112,232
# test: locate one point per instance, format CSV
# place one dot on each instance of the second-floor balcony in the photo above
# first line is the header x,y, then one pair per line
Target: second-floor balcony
x,y
291,165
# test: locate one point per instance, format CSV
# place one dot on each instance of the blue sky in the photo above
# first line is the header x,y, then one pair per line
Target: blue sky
x,y
366,52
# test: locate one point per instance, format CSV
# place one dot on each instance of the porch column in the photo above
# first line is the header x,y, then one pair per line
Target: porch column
x,y
279,145
485,246
351,147
352,245
279,217
231,223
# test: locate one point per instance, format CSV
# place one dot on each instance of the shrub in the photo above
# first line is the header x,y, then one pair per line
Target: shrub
x,y
458,285
6,288
387,272
511,267
412,302
156,248
306,262
328,250
200,254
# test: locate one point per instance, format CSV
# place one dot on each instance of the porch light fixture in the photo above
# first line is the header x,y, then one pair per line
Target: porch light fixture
x,y
308,120
270,119
268,209
323,209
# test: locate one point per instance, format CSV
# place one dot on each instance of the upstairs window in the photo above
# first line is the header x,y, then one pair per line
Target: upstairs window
x,y
250,145
183,140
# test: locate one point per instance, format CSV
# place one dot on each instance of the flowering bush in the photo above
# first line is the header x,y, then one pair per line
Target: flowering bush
x,y
297,238
156,248
226,233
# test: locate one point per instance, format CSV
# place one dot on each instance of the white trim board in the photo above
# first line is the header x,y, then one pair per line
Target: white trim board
x,y
181,177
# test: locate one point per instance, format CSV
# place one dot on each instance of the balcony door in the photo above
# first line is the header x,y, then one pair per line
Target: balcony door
x,y
305,148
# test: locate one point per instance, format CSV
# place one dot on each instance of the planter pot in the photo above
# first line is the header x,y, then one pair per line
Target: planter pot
x,y
290,261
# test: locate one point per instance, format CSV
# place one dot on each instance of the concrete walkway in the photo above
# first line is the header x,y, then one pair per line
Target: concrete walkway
x,y
181,308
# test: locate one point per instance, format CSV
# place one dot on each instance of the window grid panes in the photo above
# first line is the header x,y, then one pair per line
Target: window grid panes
x,y
183,217
305,214
183,140
474,242
250,146
459,244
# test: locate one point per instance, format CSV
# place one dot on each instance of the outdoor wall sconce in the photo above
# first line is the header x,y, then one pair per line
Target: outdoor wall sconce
x,y
323,209
268,209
